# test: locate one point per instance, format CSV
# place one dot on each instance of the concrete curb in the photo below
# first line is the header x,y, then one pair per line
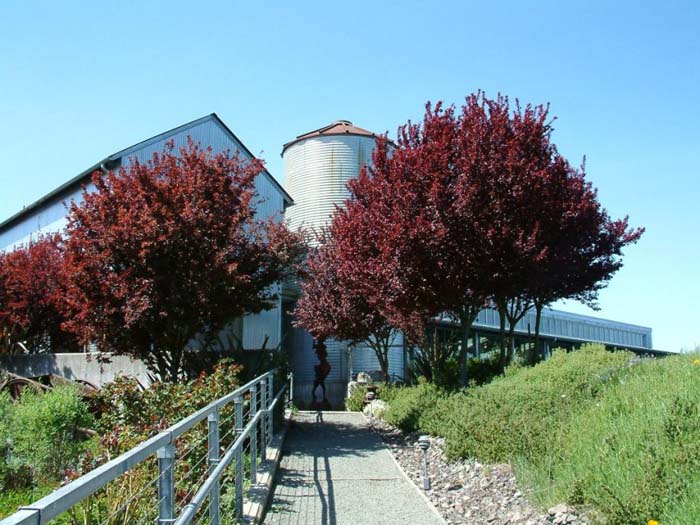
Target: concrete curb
x,y
258,496
410,481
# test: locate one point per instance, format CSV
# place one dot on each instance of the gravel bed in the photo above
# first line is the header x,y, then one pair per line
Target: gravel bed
x,y
467,491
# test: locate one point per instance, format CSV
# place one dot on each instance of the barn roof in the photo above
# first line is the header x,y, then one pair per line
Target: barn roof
x,y
114,161
339,127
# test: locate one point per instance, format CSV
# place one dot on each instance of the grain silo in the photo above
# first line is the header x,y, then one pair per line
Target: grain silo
x,y
317,168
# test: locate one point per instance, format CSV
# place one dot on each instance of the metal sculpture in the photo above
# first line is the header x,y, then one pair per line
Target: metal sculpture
x,y
321,371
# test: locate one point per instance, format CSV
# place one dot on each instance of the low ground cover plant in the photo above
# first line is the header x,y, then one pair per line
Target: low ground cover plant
x,y
518,414
634,454
43,444
607,431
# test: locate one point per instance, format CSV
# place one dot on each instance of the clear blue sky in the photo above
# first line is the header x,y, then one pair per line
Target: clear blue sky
x,y
79,81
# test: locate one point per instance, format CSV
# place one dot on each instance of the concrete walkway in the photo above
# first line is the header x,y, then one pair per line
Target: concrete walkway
x,y
336,471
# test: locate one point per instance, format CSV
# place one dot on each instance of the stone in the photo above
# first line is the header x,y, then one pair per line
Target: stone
x,y
558,509
375,408
466,491
364,378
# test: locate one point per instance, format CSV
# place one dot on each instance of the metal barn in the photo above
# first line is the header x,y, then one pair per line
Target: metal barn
x,y
48,214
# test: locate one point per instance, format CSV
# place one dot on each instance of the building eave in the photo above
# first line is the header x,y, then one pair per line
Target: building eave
x,y
83,178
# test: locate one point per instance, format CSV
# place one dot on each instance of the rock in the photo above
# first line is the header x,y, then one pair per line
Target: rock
x,y
468,492
364,378
558,509
375,408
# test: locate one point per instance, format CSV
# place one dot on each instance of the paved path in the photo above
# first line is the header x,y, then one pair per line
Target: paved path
x,y
338,472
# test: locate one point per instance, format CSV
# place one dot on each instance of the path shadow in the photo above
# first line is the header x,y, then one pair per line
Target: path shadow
x,y
312,444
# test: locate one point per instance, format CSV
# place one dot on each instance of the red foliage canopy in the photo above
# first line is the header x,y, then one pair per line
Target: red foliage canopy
x,y
474,207
333,302
31,297
171,249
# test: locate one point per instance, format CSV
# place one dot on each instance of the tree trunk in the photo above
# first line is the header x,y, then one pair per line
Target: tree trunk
x,y
538,317
502,331
511,342
380,344
467,316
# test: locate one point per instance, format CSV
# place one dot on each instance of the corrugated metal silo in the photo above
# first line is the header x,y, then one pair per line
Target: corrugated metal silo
x,y
317,167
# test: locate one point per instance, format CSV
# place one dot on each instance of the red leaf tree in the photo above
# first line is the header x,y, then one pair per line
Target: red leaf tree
x,y
547,234
170,250
472,208
421,253
32,288
581,245
333,303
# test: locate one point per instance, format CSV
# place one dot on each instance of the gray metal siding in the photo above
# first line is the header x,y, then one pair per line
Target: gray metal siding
x,y
270,203
557,324
363,358
50,218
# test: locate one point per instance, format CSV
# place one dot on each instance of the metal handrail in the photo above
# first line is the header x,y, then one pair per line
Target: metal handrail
x,y
196,502
162,444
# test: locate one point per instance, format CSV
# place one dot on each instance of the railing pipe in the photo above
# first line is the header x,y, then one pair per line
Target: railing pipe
x,y
270,413
213,461
238,403
166,485
254,437
263,425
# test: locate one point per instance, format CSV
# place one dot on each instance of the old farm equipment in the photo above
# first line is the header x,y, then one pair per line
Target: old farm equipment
x,y
16,384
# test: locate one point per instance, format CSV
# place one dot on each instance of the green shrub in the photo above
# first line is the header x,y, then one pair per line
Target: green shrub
x,y
44,431
124,403
634,454
517,415
355,402
482,371
412,407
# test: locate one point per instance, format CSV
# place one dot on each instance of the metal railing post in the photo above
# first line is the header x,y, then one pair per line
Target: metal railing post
x,y
213,461
238,407
166,485
270,413
263,419
254,436
290,394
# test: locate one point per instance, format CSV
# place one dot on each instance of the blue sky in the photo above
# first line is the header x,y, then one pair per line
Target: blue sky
x,y
79,81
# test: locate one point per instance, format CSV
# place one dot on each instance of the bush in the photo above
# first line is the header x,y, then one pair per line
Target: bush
x,y
482,371
44,431
634,454
124,403
412,407
518,415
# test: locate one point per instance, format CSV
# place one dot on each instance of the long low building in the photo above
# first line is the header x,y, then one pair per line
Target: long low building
x,y
558,330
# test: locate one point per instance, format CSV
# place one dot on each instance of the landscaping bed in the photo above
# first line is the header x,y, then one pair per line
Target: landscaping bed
x,y
467,491
44,443
606,432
